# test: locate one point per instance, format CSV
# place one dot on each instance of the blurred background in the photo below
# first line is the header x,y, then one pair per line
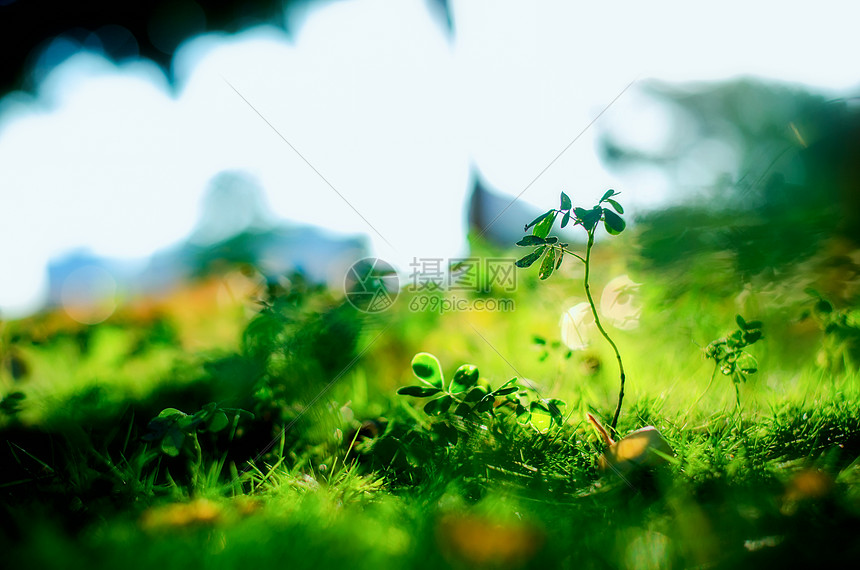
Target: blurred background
x,y
145,143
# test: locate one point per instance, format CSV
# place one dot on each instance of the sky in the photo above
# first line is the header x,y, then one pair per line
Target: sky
x,y
369,118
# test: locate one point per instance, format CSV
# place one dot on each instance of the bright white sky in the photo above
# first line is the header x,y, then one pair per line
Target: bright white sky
x,y
393,114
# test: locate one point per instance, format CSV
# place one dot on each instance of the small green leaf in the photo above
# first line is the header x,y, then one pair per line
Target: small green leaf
x,y
189,423
217,422
747,364
541,421
613,223
427,368
463,410
537,220
555,407
505,391
172,443
609,194
529,259
560,257
591,217
735,340
616,205
418,391
530,240
523,414
486,404
565,202
751,336
543,228
438,406
464,378
565,219
171,412
538,405
548,264
475,394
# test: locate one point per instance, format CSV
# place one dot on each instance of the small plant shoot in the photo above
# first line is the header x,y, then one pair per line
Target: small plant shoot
x,y
729,354
176,432
469,397
550,251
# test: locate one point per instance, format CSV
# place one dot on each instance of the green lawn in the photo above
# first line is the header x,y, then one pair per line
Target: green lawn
x,y
329,466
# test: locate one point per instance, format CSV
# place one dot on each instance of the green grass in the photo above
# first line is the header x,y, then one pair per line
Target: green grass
x,y
773,482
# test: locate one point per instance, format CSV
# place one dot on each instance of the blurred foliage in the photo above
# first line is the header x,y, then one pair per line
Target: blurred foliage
x,y
783,171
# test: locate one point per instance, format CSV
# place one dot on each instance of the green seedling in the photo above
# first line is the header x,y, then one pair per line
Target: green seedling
x,y
550,251
176,432
729,355
468,396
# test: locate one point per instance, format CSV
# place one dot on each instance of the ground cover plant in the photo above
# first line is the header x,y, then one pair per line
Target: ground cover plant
x,y
306,433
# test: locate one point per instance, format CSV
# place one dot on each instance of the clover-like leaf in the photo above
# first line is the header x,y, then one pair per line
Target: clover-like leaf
x,y
464,378
475,394
418,391
463,410
171,413
591,217
172,442
438,406
613,223
735,340
555,406
217,422
751,336
523,414
747,363
427,368
615,205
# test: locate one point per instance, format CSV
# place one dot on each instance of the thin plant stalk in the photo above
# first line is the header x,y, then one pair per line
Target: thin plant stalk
x,y
603,332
